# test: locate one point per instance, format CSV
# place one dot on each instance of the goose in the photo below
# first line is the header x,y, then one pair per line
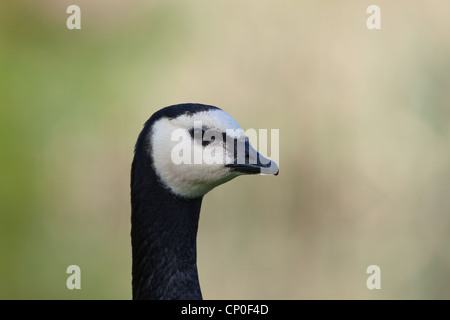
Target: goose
x,y
168,183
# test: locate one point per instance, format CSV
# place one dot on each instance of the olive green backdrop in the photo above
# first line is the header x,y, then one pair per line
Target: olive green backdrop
x,y
363,116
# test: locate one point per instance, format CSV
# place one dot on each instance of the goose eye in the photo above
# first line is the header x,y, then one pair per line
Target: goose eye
x,y
206,142
196,133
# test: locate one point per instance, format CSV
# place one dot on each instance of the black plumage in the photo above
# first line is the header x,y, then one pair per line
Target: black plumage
x,y
163,225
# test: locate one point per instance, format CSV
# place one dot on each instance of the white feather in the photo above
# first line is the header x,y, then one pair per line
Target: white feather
x,y
191,179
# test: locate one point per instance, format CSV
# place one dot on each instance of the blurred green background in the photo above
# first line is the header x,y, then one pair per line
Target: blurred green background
x,y
364,119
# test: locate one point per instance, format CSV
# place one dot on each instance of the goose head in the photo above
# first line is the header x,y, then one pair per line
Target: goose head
x,y
194,148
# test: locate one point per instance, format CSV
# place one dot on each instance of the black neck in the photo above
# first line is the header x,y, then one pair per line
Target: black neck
x,y
163,237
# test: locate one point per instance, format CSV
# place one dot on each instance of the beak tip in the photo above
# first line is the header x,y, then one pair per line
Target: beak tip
x,y
271,169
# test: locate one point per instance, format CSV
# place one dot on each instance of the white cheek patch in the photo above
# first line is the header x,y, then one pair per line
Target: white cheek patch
x,y
177,168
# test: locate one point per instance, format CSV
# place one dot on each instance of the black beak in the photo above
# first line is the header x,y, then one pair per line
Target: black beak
x,y
249,161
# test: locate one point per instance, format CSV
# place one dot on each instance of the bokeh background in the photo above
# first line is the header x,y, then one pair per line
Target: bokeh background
x,y
364,120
